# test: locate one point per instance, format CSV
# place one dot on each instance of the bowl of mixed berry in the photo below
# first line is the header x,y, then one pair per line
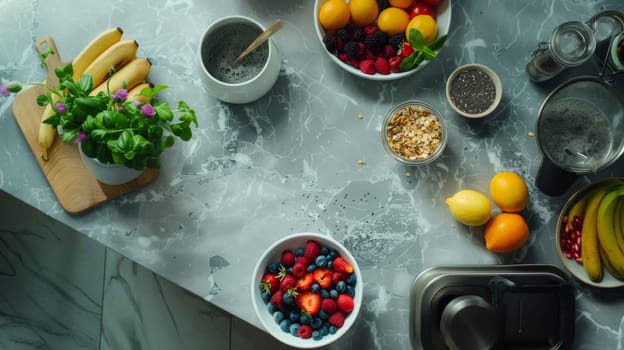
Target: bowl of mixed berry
x,y
307,290
382,39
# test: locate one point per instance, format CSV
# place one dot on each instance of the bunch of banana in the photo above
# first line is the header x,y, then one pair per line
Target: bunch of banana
x,y
104,54
602,233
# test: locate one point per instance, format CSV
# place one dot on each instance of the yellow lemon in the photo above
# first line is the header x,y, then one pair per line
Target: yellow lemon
x,y
509,192
426,25
363,12
469,207
393,20
334,14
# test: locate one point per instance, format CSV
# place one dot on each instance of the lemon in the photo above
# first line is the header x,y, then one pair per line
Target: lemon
x,y
509,192
426,25
363,12
393,20
333,15
469,207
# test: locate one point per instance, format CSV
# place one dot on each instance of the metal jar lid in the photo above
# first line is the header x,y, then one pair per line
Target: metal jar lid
x,y
572,43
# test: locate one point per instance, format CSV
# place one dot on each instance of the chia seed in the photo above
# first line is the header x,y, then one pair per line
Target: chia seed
x,y
473,91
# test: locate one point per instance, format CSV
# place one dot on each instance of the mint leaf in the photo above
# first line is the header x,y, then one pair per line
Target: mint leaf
x,y
428,54
416,39
437,43
411,61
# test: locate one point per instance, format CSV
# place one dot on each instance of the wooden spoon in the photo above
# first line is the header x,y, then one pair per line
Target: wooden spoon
x,y
272,29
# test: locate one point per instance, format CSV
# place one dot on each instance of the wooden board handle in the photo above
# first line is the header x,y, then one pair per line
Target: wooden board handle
x,y
52,61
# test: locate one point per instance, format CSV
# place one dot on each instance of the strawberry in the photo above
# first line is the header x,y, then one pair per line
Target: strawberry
x,y
311,250
345,302
381,66
298,270
329,306
304,283
288,258
304,331
367,66
323,277
395,63
288,281
276,299
336,319
270,283
309,302
406,50
341,265
338,276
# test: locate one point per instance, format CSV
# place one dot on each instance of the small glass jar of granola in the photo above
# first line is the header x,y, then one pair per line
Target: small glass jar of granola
x,y
414,133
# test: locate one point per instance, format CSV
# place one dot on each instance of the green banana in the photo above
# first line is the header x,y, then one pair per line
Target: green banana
x,y
590,251
606,230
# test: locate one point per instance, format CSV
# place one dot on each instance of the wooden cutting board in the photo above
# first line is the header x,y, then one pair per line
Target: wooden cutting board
x,y
74,186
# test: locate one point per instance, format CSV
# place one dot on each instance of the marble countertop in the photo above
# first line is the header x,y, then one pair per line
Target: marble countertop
x,y
300,159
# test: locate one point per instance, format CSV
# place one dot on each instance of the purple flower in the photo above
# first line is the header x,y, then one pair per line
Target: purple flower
x,y
60,108
137,103
147,111
120,109
121,95
80,137
4,91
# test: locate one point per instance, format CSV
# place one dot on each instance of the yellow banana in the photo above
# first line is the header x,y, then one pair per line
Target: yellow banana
x,y
606,230
133,94
609,266
114,57
132,74
46,132
618,223
576,210
589,236
95,48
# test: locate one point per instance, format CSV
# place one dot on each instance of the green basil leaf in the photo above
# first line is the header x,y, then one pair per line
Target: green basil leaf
x,y
53,120
411,61
163,111
43,100
90,103
168,142
99,135
88,148
69,135
428,54
103,154
86,83
437,43
416,39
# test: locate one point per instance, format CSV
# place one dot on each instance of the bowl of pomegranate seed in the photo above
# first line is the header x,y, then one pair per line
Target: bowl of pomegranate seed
x,y
594,211
307,290
382,42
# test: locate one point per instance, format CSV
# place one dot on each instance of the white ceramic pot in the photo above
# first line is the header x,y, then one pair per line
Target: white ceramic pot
x,y
110,174
211,56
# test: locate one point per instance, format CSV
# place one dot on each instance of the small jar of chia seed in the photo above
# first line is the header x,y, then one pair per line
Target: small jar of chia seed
x,y
474,90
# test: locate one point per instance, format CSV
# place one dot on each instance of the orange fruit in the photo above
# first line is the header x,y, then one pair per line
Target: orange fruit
x,y
506,232
363,12
426,25
404,4
393,20
333,15
509,192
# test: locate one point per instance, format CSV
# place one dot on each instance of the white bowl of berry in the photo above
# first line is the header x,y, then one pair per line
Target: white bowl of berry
x,y
307,290
382,40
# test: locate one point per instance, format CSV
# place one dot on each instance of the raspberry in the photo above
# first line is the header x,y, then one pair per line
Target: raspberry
x,y
288,258
396,41
376,40
345,303
355,62
367,66
336,319
299,270
344,34
352,49
381,66
304,332
343,57
331,42
359,34
311,250
369,30
388,51
329,306
369,54
395,63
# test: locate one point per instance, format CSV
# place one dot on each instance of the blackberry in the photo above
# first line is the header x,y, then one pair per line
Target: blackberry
x,y
396,41
331,42
359,34
352,49
376,40
344,34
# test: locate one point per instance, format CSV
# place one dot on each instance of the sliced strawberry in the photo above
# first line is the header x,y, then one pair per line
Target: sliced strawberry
x,y
270,283
323,277
338,276
309,302
336,319
288,258
289,281
341,265
276,299
299,270
304,283
406,50
345,302
329,306
311,250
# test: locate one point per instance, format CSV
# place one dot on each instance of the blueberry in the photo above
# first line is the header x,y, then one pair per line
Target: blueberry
x,y
324,294
299,252
289,270
330,264
316,323
278,316
351,279
266,296
341,286
294,315
333,294
287,298
321,261
333,253
324,330
323,315
311,268
332,329
316,335
285,325
324,250
315,287
351,291
304,319
270,308
294,328
273,267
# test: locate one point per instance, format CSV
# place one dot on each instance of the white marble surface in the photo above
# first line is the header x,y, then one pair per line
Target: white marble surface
x,y
289,162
